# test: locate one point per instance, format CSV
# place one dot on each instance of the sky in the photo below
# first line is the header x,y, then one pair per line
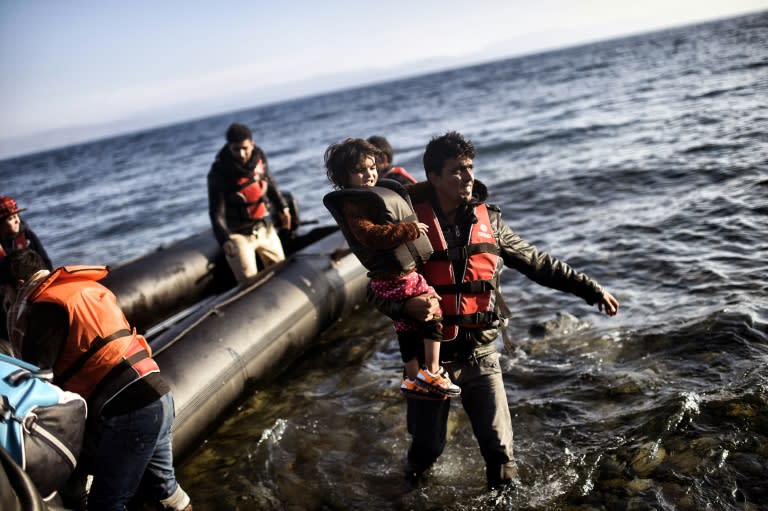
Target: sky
x,y
73,70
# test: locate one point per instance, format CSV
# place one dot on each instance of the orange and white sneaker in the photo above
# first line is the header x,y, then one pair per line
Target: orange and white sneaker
x,y
411,389
439,383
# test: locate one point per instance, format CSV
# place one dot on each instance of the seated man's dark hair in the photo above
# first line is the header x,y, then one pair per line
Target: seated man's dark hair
x,y
383,144
236,133
342,158
21,265
446,147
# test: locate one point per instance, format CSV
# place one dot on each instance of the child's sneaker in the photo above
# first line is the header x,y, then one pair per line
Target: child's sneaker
x,y
439,382
411,389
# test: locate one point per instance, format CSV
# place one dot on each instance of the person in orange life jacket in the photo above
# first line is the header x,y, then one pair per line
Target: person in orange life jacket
x,y
15,235
472,244
240,190
384,162
65,320
375,229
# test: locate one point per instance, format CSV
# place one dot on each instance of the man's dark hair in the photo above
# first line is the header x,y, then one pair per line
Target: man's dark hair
x,y
21,265
236,133
342,158
445,147
383,145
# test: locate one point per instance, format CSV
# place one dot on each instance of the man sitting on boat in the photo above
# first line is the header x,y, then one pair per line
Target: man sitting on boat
x,y
240,191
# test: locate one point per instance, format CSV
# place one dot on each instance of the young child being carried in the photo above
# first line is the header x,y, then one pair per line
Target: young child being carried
x,y
382,230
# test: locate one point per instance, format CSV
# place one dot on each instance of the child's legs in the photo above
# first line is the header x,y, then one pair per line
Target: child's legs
x,y
403,288
412,368
419,341
432,355
411,351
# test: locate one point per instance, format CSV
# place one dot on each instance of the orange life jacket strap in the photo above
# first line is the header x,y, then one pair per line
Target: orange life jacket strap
x,y
95,346
473,287
124,364
255,202
118,378
461,253
486,319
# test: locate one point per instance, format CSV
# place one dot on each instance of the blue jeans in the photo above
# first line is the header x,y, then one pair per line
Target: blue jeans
x,y
131,448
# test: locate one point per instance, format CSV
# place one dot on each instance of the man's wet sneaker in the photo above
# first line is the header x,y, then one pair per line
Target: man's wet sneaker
x,y
411,389
439,382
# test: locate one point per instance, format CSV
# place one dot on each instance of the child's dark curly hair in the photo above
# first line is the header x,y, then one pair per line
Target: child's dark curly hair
x,y
342,158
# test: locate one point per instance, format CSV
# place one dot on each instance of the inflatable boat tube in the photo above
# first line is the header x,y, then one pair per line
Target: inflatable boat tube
x,y
163,282
155,286
217,350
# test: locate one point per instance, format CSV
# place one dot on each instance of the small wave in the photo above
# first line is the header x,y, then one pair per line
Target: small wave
x,y
554,136
751,65
732,334
273,434
717,92
706,148
593,66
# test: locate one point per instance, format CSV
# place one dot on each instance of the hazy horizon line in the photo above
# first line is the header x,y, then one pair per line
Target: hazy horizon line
x,y
77,134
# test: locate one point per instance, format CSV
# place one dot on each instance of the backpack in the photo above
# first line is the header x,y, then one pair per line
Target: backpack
x,y
41,425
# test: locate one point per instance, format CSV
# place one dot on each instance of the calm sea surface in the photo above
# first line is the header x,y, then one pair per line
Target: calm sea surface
x,y
641,161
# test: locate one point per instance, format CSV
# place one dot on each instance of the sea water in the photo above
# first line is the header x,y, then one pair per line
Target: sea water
x,y
640,161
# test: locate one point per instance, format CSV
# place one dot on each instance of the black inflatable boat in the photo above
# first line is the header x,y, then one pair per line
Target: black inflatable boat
x,y
213,340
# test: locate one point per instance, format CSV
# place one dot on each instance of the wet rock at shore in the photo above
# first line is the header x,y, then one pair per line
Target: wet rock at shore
x,y
562,324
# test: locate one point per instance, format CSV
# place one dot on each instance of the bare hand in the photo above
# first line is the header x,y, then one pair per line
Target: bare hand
x,y
423,228
285,220
423,307
608,304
